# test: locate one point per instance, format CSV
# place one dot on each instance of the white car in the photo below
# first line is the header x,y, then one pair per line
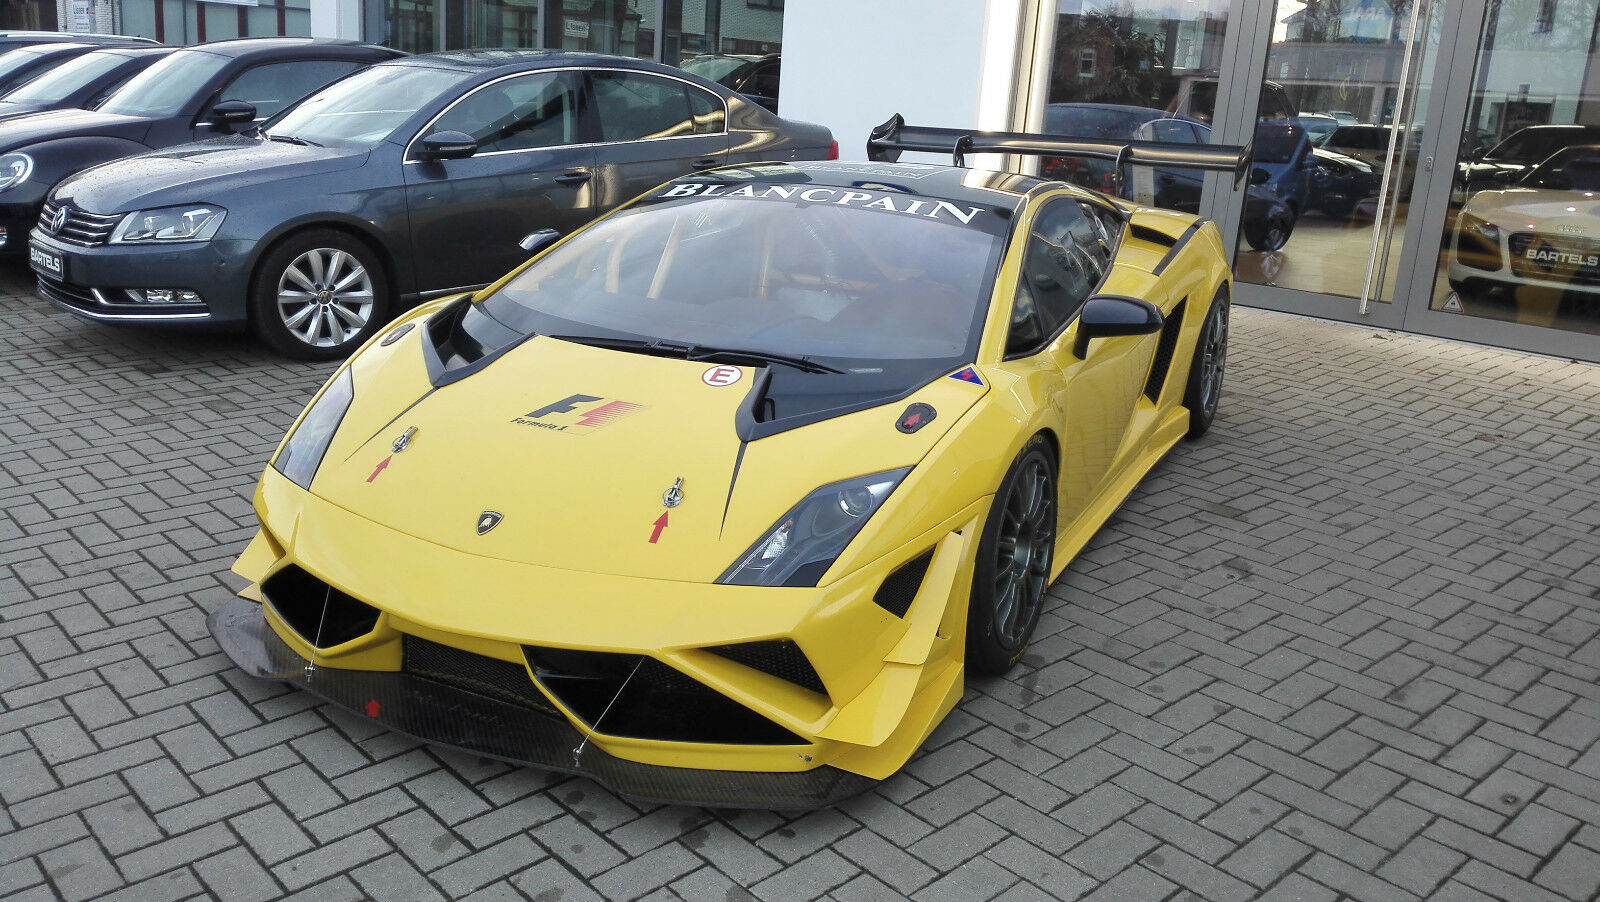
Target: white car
x,y
1542,233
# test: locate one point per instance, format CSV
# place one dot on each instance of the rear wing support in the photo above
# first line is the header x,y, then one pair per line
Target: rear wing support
x,y
894,137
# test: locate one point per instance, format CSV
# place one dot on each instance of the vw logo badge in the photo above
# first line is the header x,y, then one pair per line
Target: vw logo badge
x,y
59,220
489,520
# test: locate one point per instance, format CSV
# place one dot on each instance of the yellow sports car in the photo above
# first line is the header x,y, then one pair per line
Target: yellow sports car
x,y
720,498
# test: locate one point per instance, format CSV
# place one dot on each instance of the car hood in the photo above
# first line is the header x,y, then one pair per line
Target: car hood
x,y
11,109
50,125
1529,209
574,447
205,171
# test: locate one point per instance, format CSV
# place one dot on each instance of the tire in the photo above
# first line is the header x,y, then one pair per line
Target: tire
x,y
1008,587
1269,234
318,295
1204,387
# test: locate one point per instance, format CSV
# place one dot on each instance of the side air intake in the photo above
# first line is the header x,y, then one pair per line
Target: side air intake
x,y
899,588
320,614
781,658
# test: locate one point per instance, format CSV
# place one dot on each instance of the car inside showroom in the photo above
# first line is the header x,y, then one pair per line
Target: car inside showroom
x,y
800,449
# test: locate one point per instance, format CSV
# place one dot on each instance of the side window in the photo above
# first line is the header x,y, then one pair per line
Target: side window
x,y
633,106
708,112
1068,254
539,110
273,86
1175,130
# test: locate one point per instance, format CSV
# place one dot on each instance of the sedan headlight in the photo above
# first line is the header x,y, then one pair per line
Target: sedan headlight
x,y
14,169
302,453
806,540
195,222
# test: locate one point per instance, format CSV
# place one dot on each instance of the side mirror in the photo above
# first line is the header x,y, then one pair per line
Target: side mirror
x,y
232,112
447,145
533,242
1259,176
1108,315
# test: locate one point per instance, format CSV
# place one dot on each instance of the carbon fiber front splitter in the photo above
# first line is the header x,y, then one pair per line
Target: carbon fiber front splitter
x,y
454,718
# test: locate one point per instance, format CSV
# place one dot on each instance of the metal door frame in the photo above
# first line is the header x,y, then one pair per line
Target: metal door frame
x,y
1459,25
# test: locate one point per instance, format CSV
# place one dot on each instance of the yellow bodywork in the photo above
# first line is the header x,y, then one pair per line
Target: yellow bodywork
x,y
572,564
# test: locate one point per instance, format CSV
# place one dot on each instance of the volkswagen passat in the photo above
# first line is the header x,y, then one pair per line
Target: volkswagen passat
x,y
414,178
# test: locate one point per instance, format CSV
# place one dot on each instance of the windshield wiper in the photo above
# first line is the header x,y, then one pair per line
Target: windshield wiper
x,y
291,139
663,348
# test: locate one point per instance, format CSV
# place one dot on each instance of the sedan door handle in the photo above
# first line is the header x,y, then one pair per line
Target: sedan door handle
x,y
575,177
704,162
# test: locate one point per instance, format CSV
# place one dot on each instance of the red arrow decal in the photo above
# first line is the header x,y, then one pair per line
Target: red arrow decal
x,y
382,464
660,524
372,708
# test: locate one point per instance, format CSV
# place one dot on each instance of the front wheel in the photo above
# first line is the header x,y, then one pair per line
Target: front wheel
x,y
1013,566
1271,233
318,295
1205,372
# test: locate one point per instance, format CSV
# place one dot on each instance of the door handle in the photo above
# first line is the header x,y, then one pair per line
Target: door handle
x,y
575,177
704,162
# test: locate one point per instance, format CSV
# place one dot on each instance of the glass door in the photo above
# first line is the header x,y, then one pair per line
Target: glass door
x,y
1518,259
1339,129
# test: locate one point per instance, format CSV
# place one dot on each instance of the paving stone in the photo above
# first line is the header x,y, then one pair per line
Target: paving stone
x,y
1313,653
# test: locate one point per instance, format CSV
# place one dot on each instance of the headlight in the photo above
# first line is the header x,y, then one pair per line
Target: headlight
x,y
196,222
806,540
1488,230
14,169
302,453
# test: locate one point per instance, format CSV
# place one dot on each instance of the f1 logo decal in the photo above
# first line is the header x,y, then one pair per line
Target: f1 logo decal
x,y
578,414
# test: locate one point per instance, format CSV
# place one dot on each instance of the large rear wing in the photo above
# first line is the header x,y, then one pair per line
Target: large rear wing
x,y
892,138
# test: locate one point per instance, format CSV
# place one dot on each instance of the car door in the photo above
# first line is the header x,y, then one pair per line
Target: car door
x,y
652,129
531,171
270,87
1067,256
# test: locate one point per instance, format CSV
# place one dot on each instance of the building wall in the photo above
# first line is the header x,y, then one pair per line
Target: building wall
x,y
850,65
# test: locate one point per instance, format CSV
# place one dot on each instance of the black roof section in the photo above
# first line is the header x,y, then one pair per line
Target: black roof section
x,y
237,47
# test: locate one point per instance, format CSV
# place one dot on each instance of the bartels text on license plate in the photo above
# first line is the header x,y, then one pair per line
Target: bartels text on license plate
x,y
44,261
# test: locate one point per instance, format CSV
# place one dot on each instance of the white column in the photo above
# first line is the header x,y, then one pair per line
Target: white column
x,y
849,65
336,19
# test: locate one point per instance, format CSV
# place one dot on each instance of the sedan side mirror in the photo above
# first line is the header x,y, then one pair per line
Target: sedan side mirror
x,y
447,145
1108,315
232,112
534,242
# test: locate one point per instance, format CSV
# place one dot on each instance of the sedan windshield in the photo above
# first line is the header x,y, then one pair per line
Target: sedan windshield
x,y
166,87
780,269
365,108
14,60
61,82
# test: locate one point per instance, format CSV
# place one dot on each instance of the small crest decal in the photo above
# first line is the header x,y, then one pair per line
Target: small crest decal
x,y
968,375
489,520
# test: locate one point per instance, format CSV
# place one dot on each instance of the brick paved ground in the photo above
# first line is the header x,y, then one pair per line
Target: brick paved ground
x,y
1346,646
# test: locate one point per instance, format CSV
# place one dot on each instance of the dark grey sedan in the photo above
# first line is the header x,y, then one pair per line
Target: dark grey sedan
x,y
411,179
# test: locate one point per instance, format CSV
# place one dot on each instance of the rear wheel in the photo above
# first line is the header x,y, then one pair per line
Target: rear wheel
x,y
1012,571
318,295
1206,371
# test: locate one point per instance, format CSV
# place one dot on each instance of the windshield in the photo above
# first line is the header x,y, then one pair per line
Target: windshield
x,y
1575,169
61,82
780,268
13,60
712,68
365,108
167,86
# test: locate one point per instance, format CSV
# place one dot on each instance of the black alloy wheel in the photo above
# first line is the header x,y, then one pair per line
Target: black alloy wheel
x,y
1210,363
1012,570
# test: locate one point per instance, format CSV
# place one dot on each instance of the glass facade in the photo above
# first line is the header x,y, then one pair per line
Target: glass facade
x,y
1417,164
192,22
733,38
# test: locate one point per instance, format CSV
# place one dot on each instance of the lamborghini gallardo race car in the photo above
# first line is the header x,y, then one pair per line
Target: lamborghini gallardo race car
x,y
719,499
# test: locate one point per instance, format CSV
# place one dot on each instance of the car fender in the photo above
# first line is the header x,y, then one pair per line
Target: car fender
x,y
365,229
